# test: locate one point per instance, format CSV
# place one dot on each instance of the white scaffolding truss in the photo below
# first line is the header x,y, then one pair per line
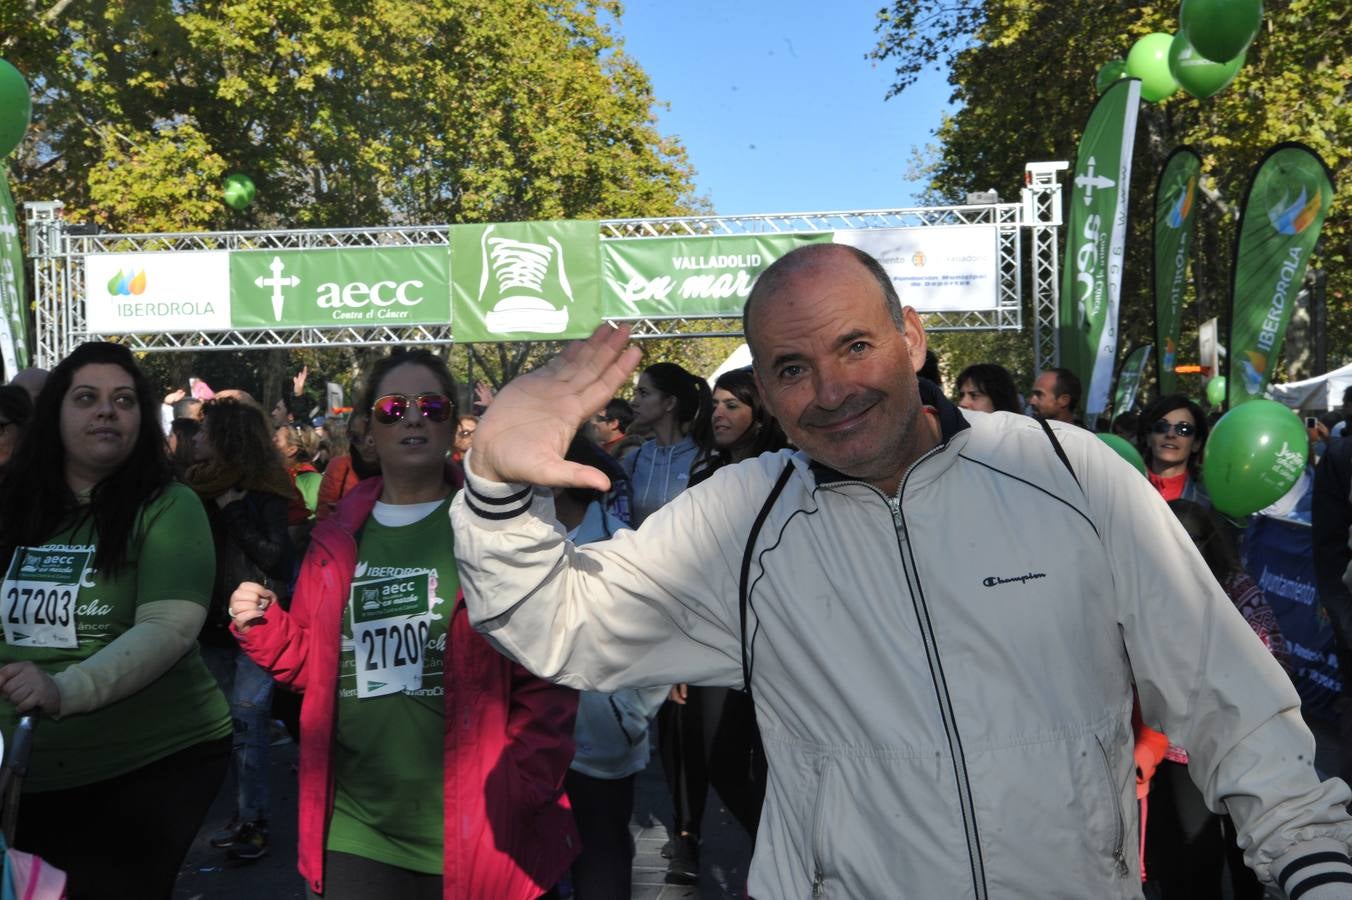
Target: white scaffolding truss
x,y
58,251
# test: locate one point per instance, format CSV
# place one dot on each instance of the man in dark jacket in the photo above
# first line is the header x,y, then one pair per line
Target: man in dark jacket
x,y
1331,519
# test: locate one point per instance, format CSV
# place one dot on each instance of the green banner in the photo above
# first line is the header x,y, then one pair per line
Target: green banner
x,y
1095,238
13,309
689,276
1175,204
521,281
357,286
1129,379
1283,213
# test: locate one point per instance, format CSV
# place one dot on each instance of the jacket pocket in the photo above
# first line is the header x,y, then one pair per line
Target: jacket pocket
x,y
820,827
1120,839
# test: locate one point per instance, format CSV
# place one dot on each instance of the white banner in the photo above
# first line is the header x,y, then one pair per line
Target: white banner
x,y
949,268
148,293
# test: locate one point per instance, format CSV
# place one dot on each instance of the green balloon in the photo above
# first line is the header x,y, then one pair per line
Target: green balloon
x,y
1149,61
239,190
1215,391
1200,76
1221,29
1124,449
1256,452
1111,72
16,108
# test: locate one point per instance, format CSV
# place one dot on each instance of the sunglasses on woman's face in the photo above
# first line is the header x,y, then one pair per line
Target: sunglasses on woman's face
x,y
1182,429
392,407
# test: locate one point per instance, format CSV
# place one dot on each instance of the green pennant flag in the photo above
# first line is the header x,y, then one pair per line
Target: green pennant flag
x,y
1175,204
522,281
1129,379
13,309
1282,216
1095,242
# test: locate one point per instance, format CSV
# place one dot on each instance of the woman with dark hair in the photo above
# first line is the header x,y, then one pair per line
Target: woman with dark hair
x,y
672,404
708,735
1186,845
16,408
986,387
245,488
1172,434
739,426
415,780
344,472
109,568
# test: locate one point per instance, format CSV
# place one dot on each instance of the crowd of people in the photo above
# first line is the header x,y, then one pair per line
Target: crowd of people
x,y
916,646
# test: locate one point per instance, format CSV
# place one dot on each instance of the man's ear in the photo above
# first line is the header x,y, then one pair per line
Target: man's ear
x,y
916,341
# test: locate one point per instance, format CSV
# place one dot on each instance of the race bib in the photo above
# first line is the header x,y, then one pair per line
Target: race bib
x,y
39,595
391,618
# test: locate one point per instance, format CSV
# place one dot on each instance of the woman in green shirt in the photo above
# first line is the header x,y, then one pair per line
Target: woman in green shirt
x,y
108,572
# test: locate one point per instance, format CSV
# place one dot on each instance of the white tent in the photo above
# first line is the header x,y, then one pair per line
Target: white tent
x,y
740,359
1314,394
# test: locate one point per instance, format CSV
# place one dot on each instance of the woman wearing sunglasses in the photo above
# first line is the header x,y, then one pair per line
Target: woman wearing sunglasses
x,y
415,780
1172,433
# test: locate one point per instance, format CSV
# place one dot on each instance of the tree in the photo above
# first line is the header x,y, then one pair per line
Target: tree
x,y
343,114
1294,86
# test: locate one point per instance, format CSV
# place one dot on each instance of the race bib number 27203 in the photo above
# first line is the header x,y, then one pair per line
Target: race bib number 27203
x,y
39,596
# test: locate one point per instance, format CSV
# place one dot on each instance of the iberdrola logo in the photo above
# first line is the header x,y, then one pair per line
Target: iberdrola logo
x,y
1182,207
1255,372
128,284
1294,216
1170,354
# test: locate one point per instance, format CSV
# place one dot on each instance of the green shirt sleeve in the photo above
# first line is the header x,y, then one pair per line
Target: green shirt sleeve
x,y
177,558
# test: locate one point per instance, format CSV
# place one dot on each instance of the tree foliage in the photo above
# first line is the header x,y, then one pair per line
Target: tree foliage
x,y
1023,75
343,114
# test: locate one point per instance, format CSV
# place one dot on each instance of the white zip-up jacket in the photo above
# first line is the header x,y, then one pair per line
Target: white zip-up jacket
x,y
943,680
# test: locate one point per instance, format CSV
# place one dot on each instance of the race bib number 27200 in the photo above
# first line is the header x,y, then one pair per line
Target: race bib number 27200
x,y
39,596
390,622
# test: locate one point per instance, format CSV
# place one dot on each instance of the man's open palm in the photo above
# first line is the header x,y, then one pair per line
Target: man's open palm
x,y
524,435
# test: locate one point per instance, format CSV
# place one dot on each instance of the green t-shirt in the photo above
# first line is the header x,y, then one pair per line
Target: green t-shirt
x,y
388,760
54,598
308,484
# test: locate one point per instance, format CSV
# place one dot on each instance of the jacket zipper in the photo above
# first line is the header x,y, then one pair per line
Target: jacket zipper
x,y
965,803
818,854
1119,855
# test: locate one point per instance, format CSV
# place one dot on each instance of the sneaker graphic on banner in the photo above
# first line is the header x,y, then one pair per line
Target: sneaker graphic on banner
x,y
515,272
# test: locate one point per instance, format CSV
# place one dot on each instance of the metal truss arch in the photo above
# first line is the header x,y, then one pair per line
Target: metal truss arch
x,y
58,251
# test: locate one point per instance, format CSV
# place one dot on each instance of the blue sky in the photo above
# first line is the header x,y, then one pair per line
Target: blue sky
x,y
777,105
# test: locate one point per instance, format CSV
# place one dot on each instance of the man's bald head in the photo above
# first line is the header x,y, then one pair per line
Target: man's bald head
x,y
808,258
31,380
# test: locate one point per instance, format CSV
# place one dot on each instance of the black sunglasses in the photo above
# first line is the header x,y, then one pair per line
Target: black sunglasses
x,y
1182,429
392,407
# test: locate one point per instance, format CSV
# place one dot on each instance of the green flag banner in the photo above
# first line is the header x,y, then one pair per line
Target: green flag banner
x,y
13,310
695,276
350,286
1283,213
1175,203
521,281
1095,241
1129,379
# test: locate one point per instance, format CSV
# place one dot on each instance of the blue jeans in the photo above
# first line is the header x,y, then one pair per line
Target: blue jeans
x,y
249,690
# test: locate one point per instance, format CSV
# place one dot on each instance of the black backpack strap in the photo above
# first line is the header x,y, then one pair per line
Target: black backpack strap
x,y
744,586
1060,451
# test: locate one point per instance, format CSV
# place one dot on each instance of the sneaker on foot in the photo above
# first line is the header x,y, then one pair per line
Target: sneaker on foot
x,y
684,865
252,841
226,836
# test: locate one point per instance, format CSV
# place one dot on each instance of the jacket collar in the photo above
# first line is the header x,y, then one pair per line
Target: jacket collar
x,y
356,506
951,422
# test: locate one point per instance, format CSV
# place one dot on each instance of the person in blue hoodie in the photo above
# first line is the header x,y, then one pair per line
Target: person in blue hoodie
x,y
611,732
670,403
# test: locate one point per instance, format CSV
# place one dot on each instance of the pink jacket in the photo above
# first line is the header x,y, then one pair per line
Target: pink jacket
x,y
509,831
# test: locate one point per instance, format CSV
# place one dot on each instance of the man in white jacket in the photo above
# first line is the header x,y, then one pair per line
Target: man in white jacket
x,y
942,616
